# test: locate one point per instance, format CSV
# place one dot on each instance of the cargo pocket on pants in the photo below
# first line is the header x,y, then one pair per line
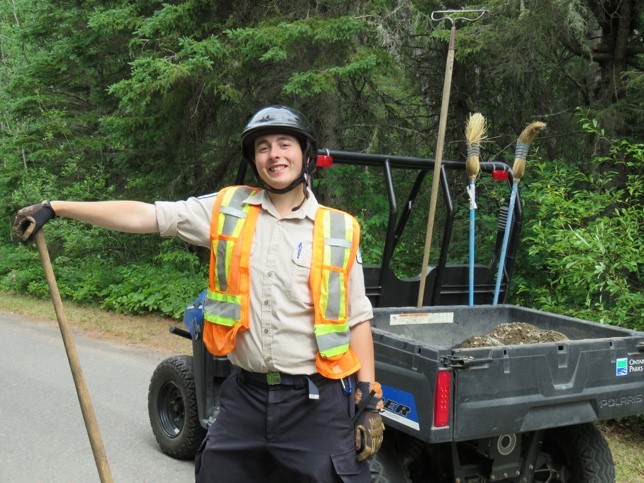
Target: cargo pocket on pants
x,y
347,467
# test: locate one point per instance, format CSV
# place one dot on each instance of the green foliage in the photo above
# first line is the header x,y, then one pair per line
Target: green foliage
x,y
143,288
145,100
161,285
19,268
368,205
584,250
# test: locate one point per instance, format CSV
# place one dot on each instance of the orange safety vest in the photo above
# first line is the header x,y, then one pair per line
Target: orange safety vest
x,y
336,237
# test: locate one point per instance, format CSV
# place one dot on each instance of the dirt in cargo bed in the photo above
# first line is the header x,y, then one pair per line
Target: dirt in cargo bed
x,y
513,333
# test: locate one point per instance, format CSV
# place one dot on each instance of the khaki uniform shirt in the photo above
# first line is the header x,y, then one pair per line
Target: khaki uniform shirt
x,y
281,305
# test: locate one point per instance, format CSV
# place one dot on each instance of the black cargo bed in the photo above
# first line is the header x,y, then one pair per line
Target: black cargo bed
x,y
597,374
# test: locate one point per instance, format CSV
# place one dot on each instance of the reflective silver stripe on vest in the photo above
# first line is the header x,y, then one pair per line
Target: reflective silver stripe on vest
x,y
338,250
229,210
333,340
221,308
338,245
221,265
332,311
232,216
338,238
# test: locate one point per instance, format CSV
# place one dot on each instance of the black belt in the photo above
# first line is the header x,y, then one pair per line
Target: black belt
x,y
270,379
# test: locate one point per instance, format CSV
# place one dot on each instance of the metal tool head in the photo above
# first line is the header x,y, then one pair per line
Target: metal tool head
x,y
460,14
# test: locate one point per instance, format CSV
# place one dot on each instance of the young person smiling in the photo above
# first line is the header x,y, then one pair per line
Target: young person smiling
x,y
286,303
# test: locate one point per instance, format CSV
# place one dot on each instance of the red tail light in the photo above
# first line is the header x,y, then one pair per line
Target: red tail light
x,y
324,161
442,400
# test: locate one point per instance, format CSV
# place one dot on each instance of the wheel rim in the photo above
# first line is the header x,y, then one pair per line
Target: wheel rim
x,y
171,409
550,470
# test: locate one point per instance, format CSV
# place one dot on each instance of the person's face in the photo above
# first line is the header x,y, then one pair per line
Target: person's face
x,y
278,158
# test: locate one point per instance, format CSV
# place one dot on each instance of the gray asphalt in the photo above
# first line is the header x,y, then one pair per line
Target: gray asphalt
x,y
42,434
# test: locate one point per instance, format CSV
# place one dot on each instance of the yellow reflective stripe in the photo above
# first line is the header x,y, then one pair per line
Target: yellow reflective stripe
x,y
324,329
232,212
222,308
326,218
227,196
335,351
217,319
230,222
332,339
338,237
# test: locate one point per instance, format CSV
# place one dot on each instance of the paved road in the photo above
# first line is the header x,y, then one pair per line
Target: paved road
x,y
42,435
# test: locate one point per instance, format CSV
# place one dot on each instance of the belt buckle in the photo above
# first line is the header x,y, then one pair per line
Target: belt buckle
x,y
273,378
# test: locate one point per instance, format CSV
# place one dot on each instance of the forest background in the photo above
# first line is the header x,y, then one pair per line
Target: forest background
x,y
146,99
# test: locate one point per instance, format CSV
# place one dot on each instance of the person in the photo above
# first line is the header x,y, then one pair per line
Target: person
x,y
286,302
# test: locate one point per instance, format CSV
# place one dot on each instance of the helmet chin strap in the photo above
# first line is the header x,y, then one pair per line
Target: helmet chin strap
x,y
302,179
280,191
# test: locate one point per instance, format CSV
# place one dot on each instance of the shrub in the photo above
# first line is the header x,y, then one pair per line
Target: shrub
x,y
583,236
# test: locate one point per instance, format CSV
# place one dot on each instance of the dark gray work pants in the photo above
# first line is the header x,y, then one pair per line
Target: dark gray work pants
x,y
277,433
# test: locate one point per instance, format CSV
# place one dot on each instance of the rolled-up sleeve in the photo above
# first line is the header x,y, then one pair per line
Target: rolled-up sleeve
x,y
360,308
188,219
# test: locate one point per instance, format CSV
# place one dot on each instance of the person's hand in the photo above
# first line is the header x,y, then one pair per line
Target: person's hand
x,y
369,435
31,219
369,428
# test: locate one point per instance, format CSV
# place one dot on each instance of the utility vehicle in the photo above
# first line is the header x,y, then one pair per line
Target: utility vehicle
x,y
517,413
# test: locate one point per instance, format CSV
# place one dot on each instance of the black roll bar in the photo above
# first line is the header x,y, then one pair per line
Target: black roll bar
x,y
396,224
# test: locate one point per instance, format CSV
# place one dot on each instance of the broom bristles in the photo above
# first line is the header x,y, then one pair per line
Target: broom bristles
x,y
475,129
530,132
518,169
523,144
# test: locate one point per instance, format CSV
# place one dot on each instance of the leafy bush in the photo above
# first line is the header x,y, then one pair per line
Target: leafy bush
x,y
163,284
19,267
143,288
583,236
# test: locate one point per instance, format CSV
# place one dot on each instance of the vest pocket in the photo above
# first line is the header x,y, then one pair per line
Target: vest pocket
x,y
299,289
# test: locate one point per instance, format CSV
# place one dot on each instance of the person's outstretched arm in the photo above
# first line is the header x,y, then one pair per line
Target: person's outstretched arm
x,y
127,216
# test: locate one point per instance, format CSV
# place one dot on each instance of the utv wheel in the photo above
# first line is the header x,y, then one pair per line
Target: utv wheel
x,y
172,407
386,467
575,454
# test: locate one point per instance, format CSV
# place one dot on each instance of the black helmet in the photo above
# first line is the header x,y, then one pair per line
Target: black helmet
x,y
286,120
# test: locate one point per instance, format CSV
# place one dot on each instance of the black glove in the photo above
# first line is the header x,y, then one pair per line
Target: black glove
x,y
31,219
367,422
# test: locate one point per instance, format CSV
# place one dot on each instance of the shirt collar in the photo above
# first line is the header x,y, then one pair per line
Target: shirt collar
x,y
307,210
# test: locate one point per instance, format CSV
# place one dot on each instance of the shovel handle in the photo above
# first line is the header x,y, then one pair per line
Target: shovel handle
x,y
91,425
442,125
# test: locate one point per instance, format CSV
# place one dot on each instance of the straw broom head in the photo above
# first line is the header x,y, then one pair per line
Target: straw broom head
x,y
475,129
523,145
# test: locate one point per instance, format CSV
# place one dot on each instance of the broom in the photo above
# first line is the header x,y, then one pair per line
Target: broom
x,y
474,133
518,170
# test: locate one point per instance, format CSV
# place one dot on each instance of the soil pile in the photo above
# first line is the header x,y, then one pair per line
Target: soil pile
x,y
513,333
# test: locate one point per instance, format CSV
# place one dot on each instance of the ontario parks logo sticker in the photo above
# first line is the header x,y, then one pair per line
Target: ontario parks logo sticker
x,y
621,366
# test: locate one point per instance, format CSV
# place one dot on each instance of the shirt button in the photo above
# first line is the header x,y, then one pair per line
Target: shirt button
x,y
270,274
265,302
265,331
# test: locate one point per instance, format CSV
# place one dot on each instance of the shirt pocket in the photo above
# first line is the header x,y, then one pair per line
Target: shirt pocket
x,y
299,289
